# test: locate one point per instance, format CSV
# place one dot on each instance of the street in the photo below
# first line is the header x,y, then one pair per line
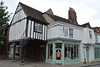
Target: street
x,y
28,63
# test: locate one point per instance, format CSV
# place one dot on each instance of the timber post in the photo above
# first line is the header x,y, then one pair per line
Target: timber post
x,y
14,49
22,51
24,42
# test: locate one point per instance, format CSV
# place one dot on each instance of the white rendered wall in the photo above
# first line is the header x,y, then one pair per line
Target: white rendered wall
x,y
57,30
91,53
53,32
18,15
85,36
17,31
84,53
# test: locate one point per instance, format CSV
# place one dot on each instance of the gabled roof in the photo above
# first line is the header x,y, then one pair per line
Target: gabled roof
x,y
57,18
86,25
49,11
96,29
31,12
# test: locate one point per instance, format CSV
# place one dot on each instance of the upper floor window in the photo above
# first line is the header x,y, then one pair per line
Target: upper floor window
x,y
96,38
65,32
70,33
90,34
38,27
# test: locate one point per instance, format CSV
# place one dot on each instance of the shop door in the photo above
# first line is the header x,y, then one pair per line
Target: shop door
x,y
58,52
58,56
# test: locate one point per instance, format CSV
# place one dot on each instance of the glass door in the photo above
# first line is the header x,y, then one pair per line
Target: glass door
x,y
58,52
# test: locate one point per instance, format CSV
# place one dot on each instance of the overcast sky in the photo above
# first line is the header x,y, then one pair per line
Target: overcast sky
x,y
87,10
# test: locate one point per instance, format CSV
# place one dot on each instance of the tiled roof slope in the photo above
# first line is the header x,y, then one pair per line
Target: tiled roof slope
x,y
57,18
96,29
32,12
86,25
29,11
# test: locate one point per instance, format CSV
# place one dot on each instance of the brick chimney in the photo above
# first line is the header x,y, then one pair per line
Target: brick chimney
x,y
72,16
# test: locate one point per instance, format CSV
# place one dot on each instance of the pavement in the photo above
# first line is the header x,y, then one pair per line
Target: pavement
x,y
30,63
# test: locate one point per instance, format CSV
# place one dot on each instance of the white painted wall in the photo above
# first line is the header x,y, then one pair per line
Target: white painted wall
x,y
18,8
17,31
83,52
36,35
53,32
85,36
91,53
57,30
18,15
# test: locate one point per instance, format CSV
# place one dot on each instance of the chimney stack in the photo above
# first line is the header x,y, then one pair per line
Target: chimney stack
x,y
72,16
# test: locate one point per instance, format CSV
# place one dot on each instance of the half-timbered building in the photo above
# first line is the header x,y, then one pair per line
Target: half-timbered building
x,y
28,23
53,39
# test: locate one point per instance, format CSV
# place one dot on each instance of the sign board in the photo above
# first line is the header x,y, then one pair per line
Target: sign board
x,y
83,46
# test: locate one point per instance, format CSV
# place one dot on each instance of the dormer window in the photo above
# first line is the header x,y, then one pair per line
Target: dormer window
x,y
90,34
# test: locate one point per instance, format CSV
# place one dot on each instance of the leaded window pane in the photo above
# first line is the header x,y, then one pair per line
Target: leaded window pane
x,y
38,27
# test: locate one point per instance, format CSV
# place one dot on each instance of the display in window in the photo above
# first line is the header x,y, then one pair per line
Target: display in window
x,y
71,52
58,54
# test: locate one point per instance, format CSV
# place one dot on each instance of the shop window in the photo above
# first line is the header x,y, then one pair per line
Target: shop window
x,y
71,52
70,33
58,45
97,52
50,51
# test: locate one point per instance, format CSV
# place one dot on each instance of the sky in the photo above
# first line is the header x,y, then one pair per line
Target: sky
x,y
87,10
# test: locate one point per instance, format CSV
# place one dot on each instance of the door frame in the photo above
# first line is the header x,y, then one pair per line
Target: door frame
x,y
87,53
58,61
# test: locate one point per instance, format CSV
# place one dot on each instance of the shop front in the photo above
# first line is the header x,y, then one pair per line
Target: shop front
x,y
63,51
97,51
